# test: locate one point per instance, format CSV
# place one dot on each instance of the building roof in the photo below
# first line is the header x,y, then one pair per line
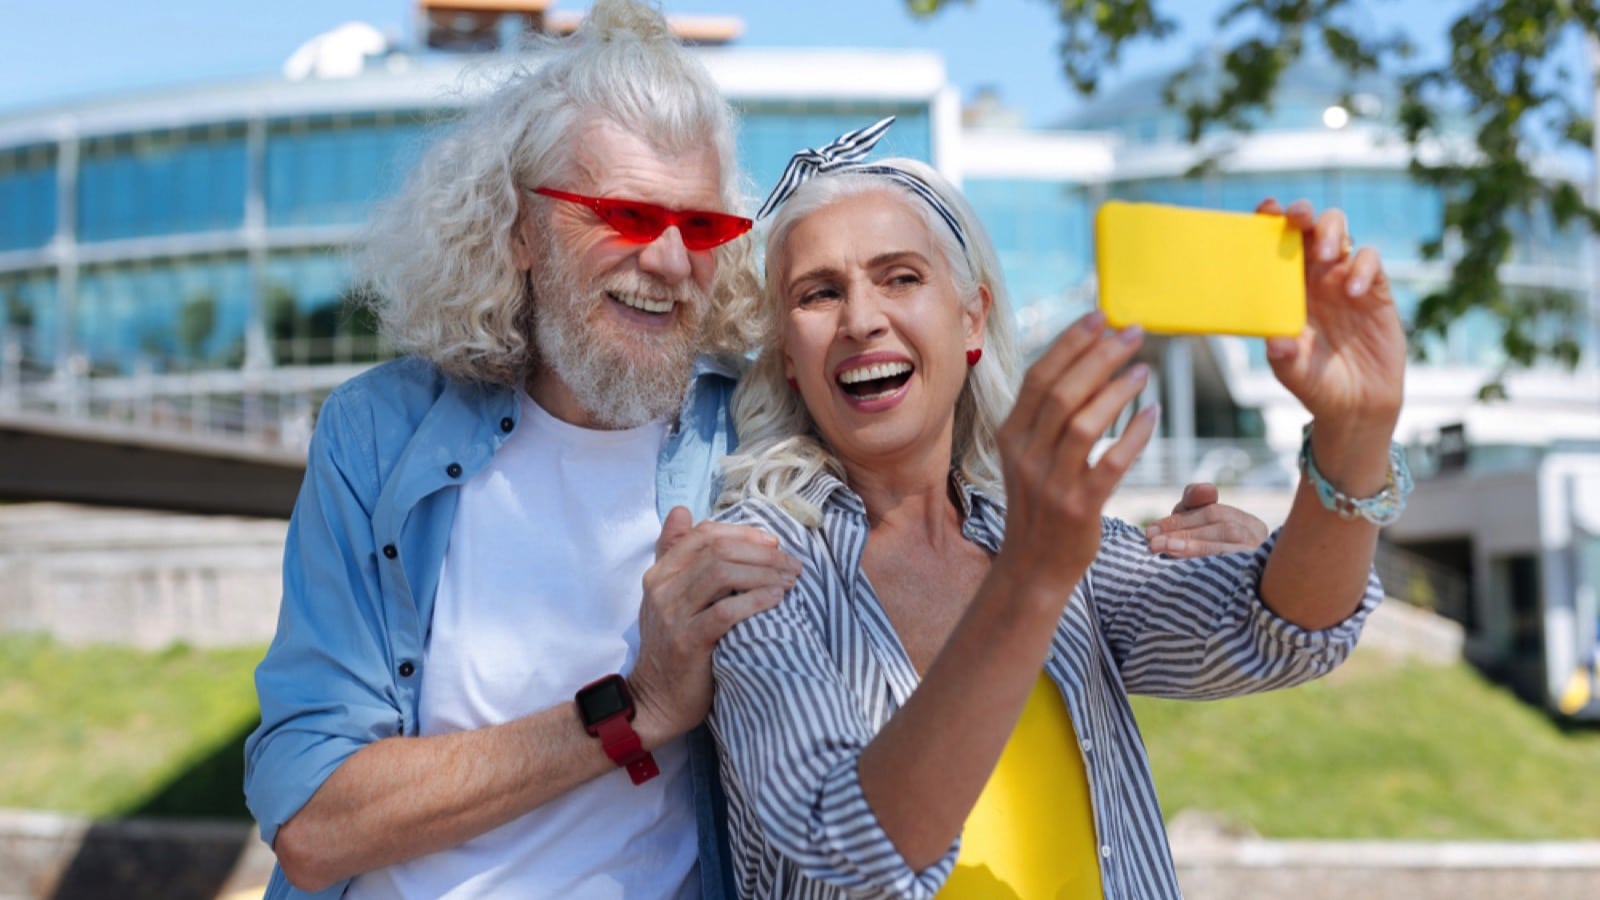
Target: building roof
x,y
405,82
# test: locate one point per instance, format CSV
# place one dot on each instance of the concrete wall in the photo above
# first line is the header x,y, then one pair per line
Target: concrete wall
x,y
44,856
1341,870
86,574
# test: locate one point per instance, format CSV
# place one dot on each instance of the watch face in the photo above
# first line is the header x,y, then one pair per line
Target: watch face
x,y
604,699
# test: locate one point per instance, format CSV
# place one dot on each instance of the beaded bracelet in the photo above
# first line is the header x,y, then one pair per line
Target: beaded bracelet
x,y
1382,508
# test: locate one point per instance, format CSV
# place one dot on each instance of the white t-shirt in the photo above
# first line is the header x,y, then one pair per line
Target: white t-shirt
x,y
538,595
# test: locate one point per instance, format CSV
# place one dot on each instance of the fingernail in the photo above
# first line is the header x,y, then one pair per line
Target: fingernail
x,y
1151,411
1152,531
1158,544
1176,545
1133,334
1356,287
1095,321
1139,372
1329,251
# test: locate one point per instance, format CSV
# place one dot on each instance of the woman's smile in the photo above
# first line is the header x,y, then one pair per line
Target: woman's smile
x,y
874,381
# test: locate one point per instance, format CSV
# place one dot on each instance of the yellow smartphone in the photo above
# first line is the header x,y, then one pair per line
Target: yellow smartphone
x,y
1177,270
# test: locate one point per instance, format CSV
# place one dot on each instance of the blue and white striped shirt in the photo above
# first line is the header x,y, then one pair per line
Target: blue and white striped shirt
x,y
803,688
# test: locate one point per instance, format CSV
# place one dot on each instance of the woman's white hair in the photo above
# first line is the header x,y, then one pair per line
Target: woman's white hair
x,y
780,449
437,259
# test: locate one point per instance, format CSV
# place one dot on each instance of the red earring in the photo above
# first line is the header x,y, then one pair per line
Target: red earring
x,y
794,385
973,355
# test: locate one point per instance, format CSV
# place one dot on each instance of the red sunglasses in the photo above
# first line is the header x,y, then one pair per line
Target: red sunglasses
x,y
642,222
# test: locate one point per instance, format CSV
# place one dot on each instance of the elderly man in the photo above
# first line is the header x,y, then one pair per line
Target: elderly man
x,y
467,551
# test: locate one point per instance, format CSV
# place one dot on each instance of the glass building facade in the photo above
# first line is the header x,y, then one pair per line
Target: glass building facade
x,y
27,196
1042,232
329,170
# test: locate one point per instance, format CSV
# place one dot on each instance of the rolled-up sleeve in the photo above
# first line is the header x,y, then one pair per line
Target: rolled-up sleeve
x,y
1198,628
325,686
791,733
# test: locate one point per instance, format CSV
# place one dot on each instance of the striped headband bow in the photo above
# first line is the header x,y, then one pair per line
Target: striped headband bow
x,y
843,156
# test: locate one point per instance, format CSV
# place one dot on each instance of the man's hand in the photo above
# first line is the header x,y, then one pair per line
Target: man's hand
x,y
706,579
1200,526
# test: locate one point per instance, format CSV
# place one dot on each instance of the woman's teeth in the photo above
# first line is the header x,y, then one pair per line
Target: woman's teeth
x,y
874,372
876,380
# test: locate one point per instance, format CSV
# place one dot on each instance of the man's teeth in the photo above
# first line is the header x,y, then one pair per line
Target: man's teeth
x,y
643,303
874,372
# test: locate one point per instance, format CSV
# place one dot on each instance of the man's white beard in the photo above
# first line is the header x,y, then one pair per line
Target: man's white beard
x,y
621,377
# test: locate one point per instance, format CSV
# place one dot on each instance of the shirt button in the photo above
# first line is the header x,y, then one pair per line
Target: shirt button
x,y
453,470
1050,656
1087,745
1105,851
406,668
506,424
389,551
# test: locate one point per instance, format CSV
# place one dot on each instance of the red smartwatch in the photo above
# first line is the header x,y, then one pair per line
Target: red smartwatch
x,y
606,709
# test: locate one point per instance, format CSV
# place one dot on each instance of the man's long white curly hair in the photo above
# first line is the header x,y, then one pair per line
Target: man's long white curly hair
x,y
437,258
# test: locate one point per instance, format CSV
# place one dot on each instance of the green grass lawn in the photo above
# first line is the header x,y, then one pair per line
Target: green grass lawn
x,y
110,731
1378,750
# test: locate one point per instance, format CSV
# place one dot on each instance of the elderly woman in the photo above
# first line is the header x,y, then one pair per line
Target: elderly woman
x,y
939,705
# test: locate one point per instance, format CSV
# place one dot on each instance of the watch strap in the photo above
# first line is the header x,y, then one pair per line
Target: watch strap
x,y
622,744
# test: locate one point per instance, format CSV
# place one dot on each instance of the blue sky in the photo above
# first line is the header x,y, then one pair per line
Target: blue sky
x,y
76,48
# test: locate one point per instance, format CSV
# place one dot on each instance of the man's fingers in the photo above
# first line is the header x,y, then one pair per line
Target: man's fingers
x,y
1196,495
712,561
1188,548
1186,520
730,611
709,532
1191,534
717,580
723,541
679,522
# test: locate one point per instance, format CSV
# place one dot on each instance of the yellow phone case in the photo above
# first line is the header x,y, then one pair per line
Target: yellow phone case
x,y
1178,270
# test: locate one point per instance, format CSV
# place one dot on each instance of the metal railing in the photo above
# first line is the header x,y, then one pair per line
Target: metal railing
x,y
1424,583
1227,462
271,409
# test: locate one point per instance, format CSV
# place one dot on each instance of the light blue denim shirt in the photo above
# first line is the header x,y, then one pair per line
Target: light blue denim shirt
x,y
361,565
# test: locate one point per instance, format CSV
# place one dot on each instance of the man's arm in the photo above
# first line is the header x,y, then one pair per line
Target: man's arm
x,y
403,797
